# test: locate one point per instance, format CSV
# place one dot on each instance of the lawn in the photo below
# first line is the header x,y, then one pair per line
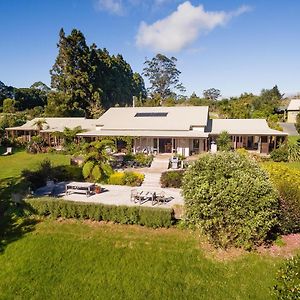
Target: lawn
x,y
12,165
75,260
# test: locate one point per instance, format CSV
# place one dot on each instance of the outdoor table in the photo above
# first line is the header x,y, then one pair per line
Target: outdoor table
x,y
145,195
80,188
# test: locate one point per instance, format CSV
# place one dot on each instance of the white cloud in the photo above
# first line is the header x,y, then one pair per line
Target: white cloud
x,y
182,27
112,6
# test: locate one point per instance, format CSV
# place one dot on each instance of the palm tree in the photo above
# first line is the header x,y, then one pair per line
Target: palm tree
x,y
39,124
96,165
70,134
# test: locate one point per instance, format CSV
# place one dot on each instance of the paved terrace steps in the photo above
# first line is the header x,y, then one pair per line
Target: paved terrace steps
x,y
152,175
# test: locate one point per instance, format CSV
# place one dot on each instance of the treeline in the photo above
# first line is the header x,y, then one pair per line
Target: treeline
x,y
85,81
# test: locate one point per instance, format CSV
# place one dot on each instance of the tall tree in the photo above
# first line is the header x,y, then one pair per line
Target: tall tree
x,y
163,76
71,72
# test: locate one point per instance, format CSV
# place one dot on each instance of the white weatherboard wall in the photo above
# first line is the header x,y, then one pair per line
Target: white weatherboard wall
x,y
183,147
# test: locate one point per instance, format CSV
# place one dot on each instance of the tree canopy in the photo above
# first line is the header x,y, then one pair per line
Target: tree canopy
x,y
163,76
89,79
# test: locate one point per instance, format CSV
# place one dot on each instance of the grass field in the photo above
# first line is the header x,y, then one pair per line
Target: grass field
x,y
72,260
12,165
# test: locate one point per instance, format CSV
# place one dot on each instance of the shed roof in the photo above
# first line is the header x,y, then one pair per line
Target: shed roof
x,y
242,127
57,124
294,105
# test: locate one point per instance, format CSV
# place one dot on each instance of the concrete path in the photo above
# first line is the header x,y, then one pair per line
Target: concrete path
x,y
159,165
289,128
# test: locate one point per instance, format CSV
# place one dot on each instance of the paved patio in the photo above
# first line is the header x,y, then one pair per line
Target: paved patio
x,y
120,195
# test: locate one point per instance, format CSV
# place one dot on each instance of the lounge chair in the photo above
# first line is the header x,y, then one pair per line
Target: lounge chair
x,y
8,151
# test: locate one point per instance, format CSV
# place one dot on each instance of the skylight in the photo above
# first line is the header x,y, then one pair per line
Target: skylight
x,y
151,114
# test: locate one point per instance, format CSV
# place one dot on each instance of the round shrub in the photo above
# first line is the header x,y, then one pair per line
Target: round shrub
x,y
288,280
231,199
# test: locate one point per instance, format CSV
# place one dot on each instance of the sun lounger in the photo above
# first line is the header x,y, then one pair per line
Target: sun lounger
x,y
8,151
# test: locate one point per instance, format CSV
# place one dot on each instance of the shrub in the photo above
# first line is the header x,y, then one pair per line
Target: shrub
x,y
224,141
231,199
143,160
288,280
172,179
126,178
46,172
287,182
146,216
280,154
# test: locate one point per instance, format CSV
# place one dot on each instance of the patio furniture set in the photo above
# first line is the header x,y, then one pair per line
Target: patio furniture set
x,y
141,197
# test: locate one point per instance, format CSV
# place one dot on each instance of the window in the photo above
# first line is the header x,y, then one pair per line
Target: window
x,y
195,144
151,114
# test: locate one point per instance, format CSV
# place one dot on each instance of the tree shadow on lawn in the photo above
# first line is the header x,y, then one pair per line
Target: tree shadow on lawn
x,y
14,217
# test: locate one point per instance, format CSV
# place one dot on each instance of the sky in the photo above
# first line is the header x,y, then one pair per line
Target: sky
x,y
235,46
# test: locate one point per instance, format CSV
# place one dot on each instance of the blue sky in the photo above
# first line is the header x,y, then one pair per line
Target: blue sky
x,y
236,46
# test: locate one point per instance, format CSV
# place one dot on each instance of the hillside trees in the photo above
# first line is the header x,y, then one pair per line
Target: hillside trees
x,y
89,79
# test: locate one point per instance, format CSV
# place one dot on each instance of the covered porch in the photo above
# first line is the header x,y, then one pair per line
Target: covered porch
x,y
176,145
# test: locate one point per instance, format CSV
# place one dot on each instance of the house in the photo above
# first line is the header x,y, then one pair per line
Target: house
x,y
50,126
293,110
183,130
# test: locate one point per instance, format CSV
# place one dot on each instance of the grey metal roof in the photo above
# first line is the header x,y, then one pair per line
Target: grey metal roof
x,y
58,124
176,118
242,127
294,105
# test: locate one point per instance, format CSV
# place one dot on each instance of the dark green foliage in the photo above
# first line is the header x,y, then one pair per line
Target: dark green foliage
x,y
224,141
146,216
231,199
46,171
28,98
280,154
88,79
172,179
288,280
298,123
5,92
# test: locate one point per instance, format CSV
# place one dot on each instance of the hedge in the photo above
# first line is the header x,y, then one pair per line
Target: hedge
x,y
146,216
287,182
172,178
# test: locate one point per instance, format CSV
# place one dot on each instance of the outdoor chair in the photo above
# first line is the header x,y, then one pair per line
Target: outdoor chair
x,y
161,197
133,195
8,151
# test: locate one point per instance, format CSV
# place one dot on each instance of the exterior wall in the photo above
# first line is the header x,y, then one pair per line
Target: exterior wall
x,y
183,146
292,116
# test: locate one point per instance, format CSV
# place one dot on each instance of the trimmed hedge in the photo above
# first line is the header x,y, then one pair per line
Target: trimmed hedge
x,y
146,216
172,179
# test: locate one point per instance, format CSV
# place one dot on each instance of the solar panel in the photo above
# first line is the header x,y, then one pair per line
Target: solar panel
x,y
151,114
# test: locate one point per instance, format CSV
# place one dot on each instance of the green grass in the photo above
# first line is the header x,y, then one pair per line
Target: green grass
x,y
12,165
72,260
